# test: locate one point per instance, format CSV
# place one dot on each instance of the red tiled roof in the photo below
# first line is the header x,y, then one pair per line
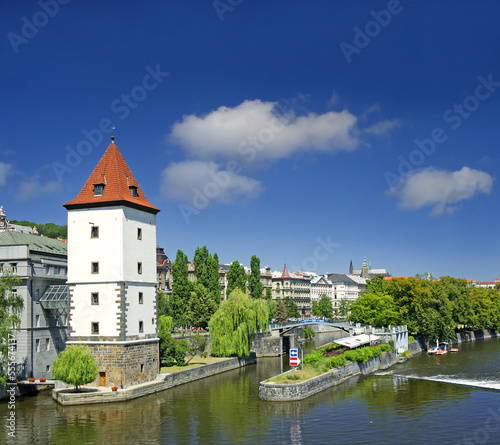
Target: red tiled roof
x,y
285,273
114,173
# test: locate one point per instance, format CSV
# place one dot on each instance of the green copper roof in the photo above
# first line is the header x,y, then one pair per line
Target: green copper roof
x,y
35,243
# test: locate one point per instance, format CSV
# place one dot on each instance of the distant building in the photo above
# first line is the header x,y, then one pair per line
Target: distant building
x,y
112,273
321,285
293,285
41,264
164,276
366,271
488,284
344,287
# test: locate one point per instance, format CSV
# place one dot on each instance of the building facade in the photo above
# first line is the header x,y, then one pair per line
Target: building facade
x,y
41,264
112,273
296,286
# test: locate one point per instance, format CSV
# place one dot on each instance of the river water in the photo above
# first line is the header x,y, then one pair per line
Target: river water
x,y
451,399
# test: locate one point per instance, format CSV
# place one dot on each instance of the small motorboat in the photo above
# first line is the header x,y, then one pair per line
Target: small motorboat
x,y
439,349
454,350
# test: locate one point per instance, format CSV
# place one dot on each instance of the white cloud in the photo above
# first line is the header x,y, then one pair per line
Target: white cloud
x,y
200,183
382,127
4,171
32,188
441,188
256,130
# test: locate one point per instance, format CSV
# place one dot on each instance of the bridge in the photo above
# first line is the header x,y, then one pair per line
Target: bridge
x,y
283,328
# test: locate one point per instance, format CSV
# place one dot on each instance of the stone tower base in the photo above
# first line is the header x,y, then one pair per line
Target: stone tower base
x,y
125,363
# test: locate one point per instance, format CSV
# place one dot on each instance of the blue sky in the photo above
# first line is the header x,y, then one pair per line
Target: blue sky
x,y
307,132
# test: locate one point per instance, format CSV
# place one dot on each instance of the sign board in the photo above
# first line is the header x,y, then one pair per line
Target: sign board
x,y
294,357
294,353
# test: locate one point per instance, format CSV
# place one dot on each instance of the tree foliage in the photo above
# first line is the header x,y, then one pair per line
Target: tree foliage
x,y
281,312
207,272
236,278
344,307
11,306
375,309
75,366
255,286
292,308
235,324
201,307
432,308
323,307
50,230
181,291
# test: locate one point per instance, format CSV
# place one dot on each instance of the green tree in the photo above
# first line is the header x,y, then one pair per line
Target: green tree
x,y
273,305
181,291
292,308
11,306
236,278
234,325
323,307
197,346
309,333
255,286
165,324
75,366
214,286
373,308
201,307
281,312
207,272
164,304
269,294
344,307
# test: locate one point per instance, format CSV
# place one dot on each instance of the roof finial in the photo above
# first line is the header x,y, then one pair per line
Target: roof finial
x,y
112,135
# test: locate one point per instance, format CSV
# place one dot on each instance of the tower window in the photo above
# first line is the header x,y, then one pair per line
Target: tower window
x,y
139,233
95,298
139,268
133,191
95,268
98,189
95,327
141,298
141,327
94,232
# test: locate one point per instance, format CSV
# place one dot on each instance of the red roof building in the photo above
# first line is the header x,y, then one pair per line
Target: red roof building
x,y
111,184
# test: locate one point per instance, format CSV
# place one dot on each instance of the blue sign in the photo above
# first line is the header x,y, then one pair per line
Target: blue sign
x,y
294,353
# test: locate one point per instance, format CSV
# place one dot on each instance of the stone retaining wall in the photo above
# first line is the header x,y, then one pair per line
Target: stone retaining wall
x,y
162,382
297,391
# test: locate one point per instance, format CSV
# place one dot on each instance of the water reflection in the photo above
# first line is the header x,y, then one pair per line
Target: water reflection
x,y
383,409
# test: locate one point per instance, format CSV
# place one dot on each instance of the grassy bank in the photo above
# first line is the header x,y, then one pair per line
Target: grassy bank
x,y
195,362
329,357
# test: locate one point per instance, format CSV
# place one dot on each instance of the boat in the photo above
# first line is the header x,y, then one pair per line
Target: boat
x,y
454,350
439,349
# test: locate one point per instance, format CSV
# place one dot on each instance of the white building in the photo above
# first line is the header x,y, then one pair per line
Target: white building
x,y
112,273
344,288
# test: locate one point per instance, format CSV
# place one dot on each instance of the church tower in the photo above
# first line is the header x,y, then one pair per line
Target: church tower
x,y
112,273
365,273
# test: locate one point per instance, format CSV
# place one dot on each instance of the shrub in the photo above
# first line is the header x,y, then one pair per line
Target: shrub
x,y
313,357
335,362
385,347
411,340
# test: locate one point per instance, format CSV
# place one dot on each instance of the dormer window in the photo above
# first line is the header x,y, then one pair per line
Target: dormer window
x,y
98,189
133,191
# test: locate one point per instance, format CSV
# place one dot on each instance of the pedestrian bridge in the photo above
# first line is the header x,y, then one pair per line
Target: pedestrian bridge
x,y
283,328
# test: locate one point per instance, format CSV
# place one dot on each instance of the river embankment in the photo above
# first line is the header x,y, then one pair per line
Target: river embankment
x,y
66,396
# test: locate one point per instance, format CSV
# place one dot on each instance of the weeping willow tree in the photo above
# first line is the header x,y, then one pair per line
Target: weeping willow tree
x,y
235,323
